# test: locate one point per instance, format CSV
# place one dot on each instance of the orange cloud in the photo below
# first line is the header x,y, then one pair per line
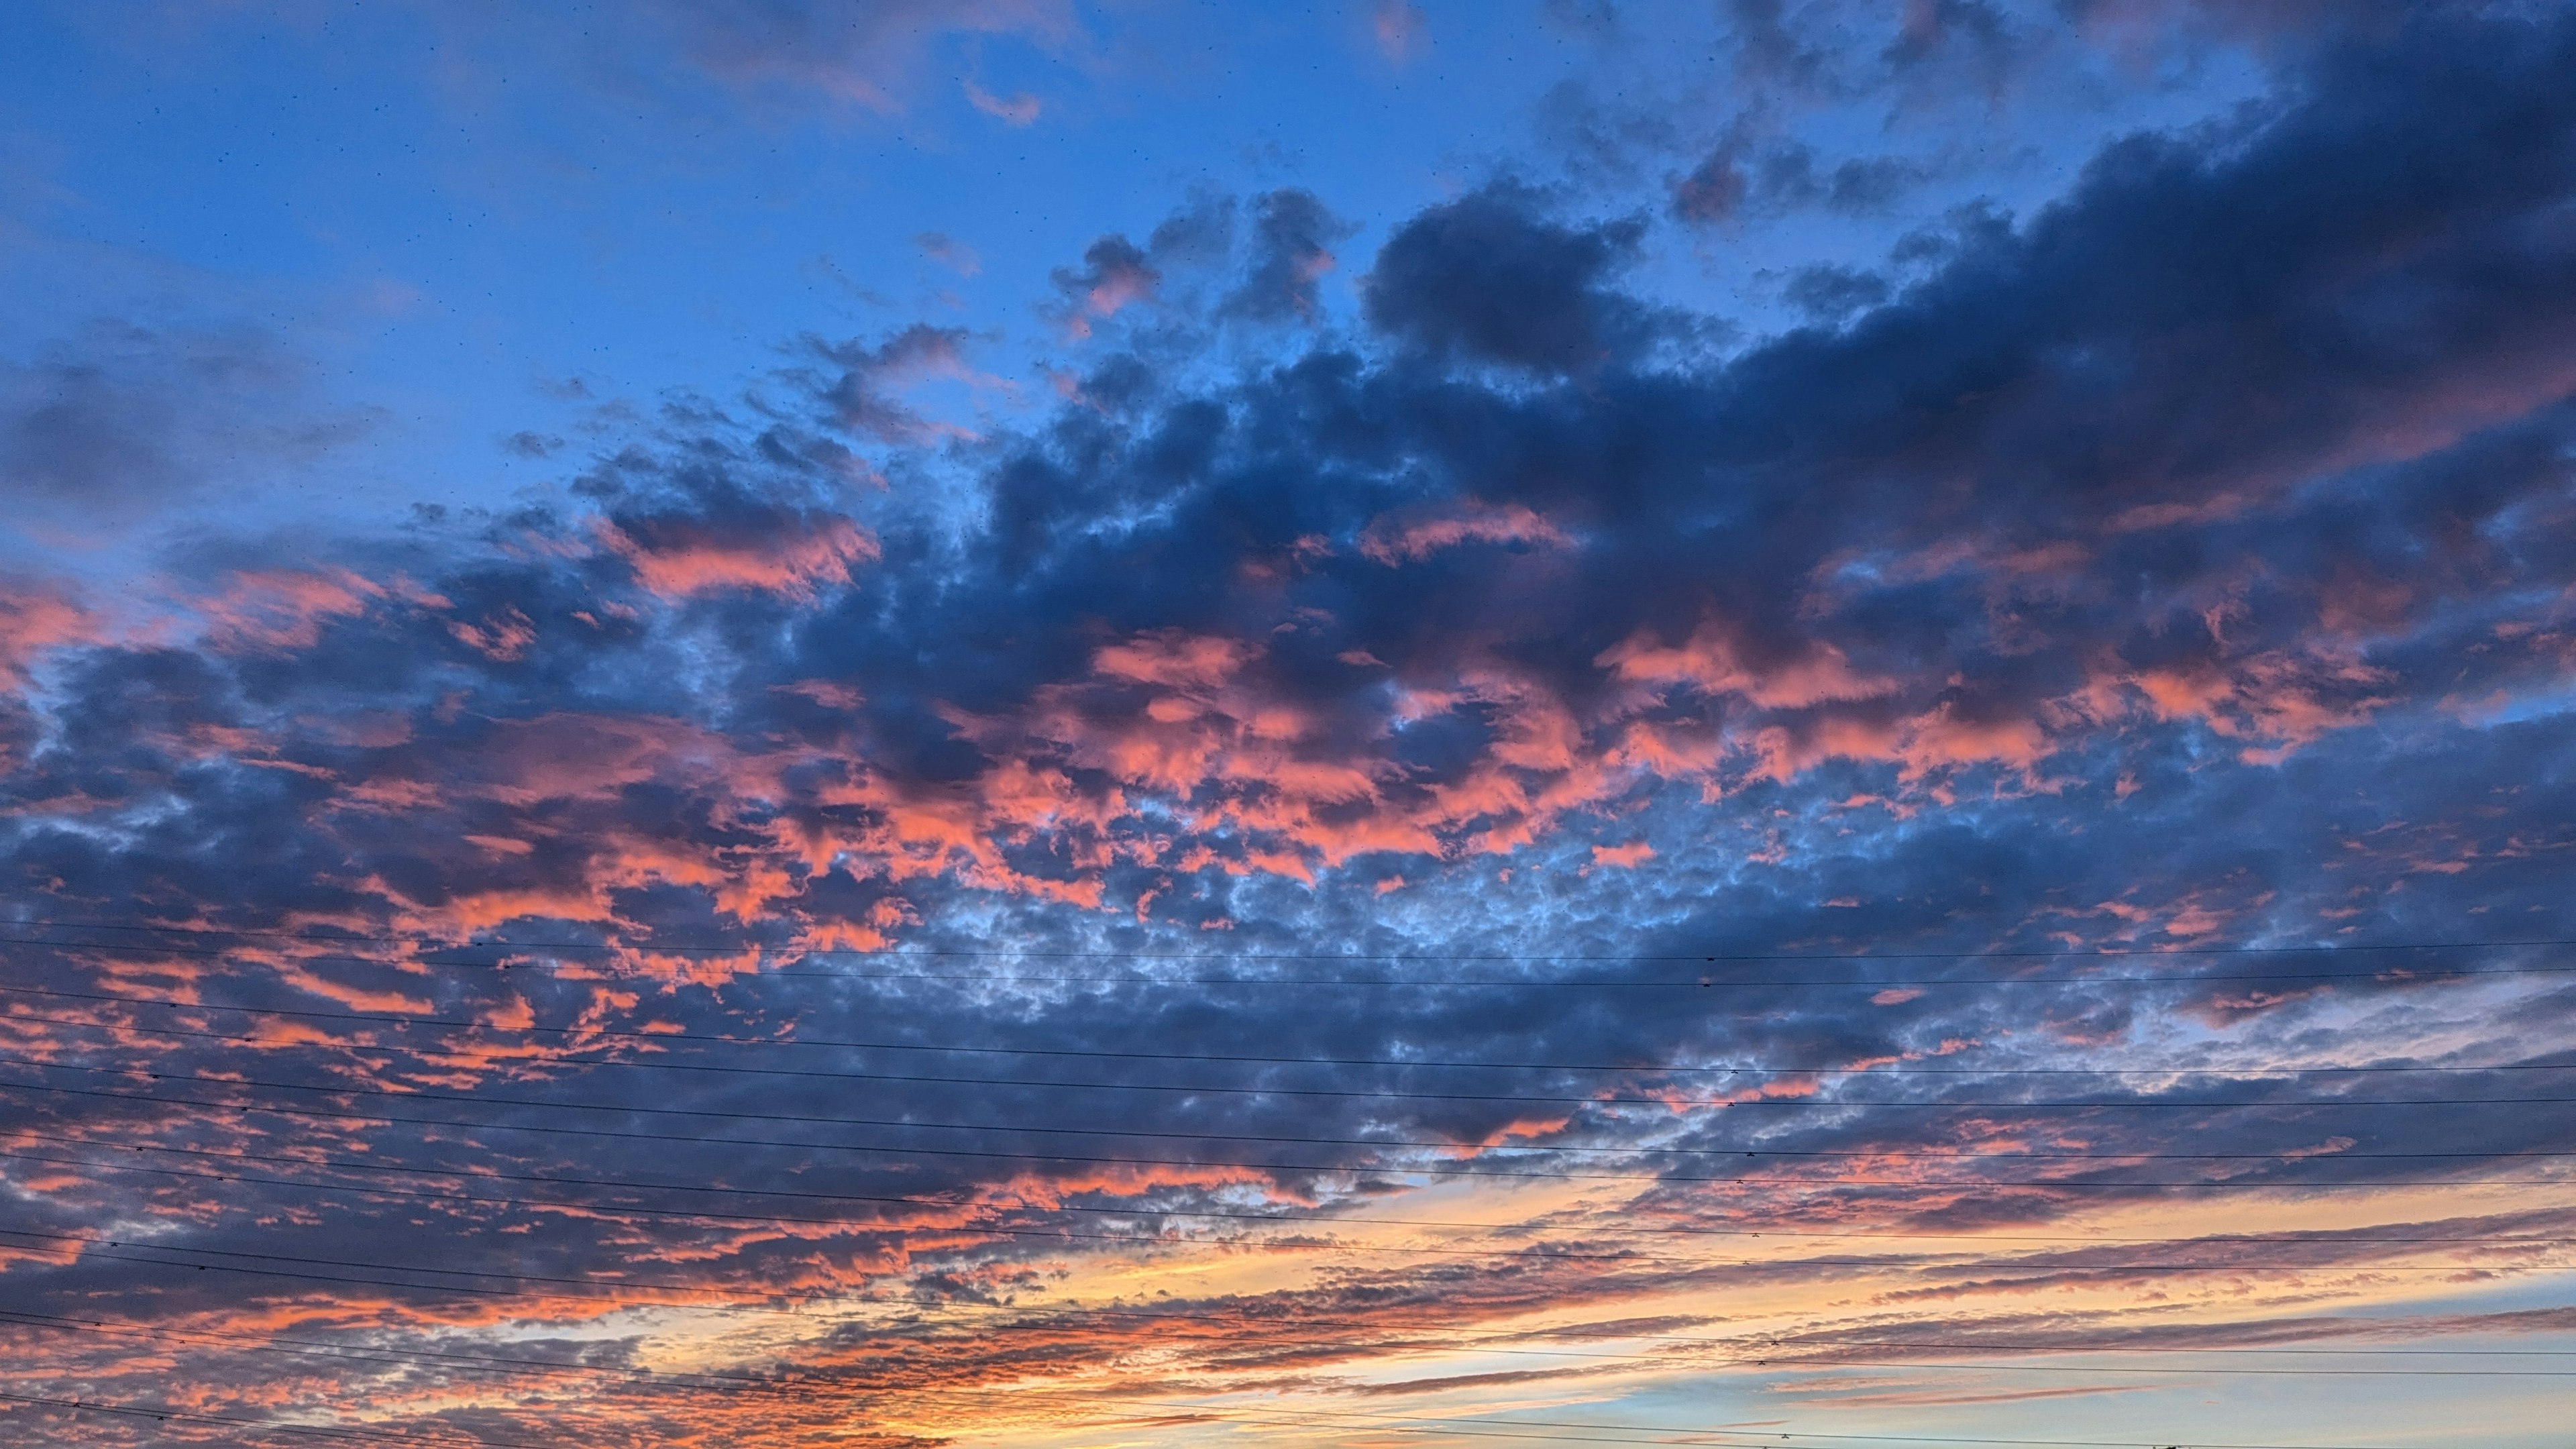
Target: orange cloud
x,y
1711,662
1393,539
683,562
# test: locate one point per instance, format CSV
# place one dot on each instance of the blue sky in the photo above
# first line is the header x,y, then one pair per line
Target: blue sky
x,y
436,217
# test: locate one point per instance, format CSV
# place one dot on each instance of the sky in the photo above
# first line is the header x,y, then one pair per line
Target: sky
x,y
1055,725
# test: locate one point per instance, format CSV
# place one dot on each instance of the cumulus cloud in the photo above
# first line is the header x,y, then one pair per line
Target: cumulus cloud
x,y
1492,277
1587,768
1293,234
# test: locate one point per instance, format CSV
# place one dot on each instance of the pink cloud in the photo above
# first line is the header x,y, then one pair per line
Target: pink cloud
x,y
1017,110
1171,657
684,561
287,608
1711,662
36,620
1623,857
1393,539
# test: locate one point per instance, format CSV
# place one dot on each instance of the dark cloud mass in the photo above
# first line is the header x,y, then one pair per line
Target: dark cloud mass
x,y
1490,278
2183,567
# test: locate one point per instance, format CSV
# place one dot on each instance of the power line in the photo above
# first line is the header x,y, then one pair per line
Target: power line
x,y
2387,977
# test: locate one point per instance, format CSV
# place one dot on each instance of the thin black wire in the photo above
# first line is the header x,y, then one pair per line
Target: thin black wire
x,y
1212,1135
2387,977
2255,1074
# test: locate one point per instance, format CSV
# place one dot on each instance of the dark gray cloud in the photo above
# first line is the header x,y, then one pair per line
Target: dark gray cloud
x,y
1491,278
1293,235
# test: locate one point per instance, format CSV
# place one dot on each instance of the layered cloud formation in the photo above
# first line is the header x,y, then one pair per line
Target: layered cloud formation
x,y
1509,855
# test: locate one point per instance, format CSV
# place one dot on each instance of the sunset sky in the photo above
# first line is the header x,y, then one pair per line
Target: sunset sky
x,y
1124,724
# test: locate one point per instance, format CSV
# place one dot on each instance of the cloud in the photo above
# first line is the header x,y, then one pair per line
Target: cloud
x,y
865,55
119,420
1488,277
1279,779
1293,234
1115,274
866,398
1020,109
950,253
